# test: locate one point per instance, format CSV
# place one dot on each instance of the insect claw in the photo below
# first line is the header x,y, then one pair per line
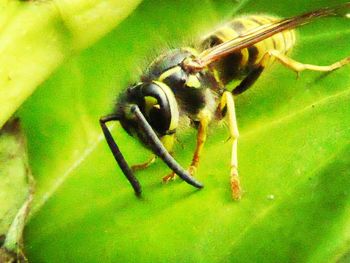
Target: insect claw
x,y
235,185
192,170
236,189
170,177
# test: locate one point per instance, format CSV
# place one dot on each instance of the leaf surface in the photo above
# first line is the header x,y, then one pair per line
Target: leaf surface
x,y
37,36
293,154
16,191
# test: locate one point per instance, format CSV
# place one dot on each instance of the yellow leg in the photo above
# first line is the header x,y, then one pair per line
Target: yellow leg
x,y
169,177
204,119
228,102
287,62
141,166
299,67
168,142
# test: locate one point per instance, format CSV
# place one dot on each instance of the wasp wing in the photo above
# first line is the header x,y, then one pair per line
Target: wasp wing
x,y
260,33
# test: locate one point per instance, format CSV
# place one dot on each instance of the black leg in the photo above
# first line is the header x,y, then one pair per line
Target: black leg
x,y
118,155
248,81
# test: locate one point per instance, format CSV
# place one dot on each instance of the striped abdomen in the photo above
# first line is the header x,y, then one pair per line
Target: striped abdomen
x,y
240,63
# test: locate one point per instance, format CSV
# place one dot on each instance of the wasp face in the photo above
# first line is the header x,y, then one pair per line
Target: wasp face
x,y
158,105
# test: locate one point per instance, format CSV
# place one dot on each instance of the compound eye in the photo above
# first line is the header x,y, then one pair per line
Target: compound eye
x,y
151,103
158,119
156,107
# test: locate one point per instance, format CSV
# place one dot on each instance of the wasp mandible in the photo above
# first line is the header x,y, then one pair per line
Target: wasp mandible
x,y
189,85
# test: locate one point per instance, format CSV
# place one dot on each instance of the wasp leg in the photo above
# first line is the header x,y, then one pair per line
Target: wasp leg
x,y
142,166
299,67
204,119
289,63
249,80
169,177
227,102
168,142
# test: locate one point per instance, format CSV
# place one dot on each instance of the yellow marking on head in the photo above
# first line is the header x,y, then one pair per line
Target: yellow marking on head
x,y
174,111
168,141
168,73
193,82
150,102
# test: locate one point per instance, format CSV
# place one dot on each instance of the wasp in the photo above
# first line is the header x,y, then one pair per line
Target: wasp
x,y
190,85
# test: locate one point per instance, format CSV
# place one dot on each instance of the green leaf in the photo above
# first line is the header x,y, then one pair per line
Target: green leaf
x,y
37,36
293,154
16,185
13,180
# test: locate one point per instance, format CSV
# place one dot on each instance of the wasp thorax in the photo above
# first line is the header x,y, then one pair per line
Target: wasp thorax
x,y
170,69
189,88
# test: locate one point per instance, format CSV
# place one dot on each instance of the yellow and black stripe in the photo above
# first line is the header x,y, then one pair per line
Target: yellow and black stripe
x,y
238,64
